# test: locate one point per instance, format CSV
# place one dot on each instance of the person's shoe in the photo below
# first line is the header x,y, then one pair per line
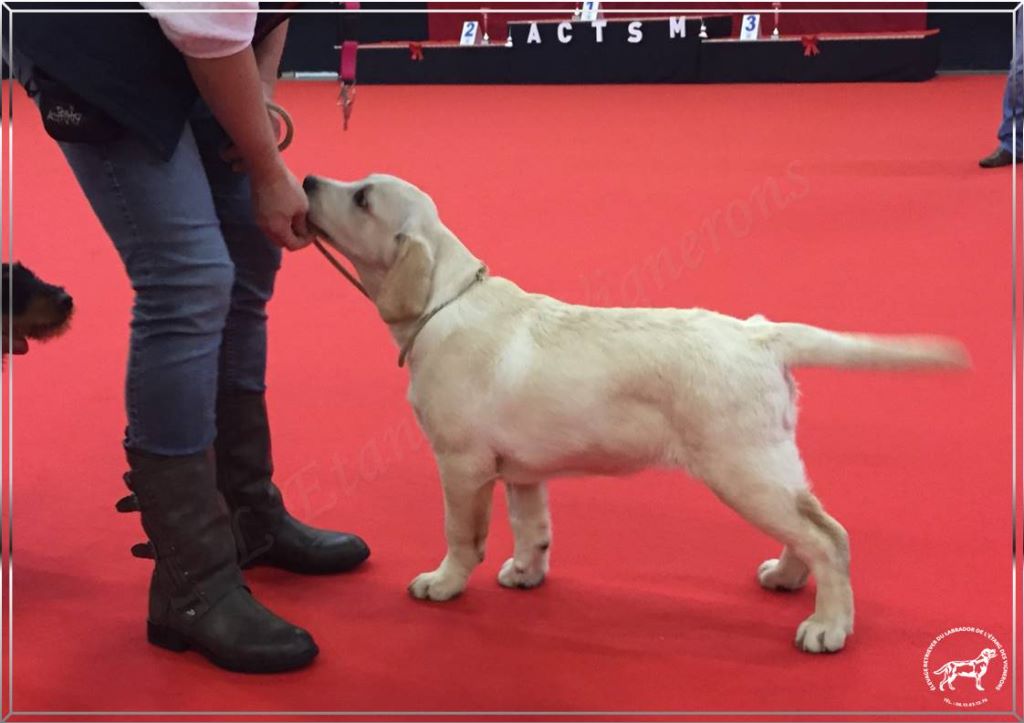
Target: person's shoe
x,y
197,597
997,158
266,534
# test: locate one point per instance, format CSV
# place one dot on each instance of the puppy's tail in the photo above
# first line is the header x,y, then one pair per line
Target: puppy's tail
x,y
804,345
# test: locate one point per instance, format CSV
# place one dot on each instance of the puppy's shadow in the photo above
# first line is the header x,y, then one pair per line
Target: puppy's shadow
x,y
636,620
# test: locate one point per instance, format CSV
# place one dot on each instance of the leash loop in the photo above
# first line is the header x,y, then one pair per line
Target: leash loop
x,y
341,269
286,121
289,135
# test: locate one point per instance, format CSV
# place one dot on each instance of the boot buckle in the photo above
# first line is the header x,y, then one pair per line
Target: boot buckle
x,y
144,550
130,503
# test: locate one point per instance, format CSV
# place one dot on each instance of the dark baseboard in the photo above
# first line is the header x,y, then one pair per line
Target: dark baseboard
x,y
659,58
911,57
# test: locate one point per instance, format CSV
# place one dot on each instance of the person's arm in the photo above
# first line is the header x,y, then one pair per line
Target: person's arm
x,y
217,47
268,57
268,60
233,89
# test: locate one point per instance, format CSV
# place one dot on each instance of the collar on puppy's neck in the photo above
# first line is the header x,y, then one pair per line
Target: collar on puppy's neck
x,y
403,354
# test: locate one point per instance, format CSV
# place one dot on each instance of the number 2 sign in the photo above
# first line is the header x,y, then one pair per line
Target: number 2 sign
x,y
470,30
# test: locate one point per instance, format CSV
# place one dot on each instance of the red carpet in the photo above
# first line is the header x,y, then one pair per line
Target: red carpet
x,y
854,207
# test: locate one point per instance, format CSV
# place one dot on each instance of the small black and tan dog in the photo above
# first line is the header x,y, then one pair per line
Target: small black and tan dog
x,y
32,309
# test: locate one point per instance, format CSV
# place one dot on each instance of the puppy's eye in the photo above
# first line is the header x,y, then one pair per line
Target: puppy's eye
x,y
361,200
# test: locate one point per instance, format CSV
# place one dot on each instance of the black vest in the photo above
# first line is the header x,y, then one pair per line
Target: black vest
x,y
120,62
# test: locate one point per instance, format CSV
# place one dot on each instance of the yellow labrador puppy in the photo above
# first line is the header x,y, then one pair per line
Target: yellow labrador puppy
x,y
523,387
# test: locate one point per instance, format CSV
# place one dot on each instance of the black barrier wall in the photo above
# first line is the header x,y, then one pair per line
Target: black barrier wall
x,y
967,40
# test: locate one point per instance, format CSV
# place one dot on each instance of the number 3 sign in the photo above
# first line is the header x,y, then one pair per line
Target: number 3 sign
x,y
751,27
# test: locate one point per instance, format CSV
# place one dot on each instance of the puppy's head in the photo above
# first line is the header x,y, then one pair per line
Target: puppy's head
x,y
988,653
383,225
34,308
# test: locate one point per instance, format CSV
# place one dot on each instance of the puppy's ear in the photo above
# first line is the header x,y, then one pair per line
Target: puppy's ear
x,y
403,294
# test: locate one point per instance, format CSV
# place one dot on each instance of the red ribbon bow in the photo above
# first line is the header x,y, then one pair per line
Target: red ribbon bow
x,y
416,51
810,45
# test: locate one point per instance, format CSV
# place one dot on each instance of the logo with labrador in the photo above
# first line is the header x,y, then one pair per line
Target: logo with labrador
x,y
963,665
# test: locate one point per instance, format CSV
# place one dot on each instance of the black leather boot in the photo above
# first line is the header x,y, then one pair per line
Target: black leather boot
x,y
197,597
264,531
997,159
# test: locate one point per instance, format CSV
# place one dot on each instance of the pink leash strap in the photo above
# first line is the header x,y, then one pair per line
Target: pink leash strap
x,y
347,68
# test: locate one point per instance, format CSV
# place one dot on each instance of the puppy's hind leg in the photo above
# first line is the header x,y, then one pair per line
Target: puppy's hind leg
x,y
531,525
767,487
787,572
468,490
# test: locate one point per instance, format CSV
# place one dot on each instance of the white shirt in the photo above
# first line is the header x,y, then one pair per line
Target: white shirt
x,y
202,34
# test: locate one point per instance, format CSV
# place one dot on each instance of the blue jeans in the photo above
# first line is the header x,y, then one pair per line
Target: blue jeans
x,y
202,272
1013,96
201,269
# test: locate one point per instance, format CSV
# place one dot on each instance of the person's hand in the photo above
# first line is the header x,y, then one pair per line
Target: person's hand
x,y
280,205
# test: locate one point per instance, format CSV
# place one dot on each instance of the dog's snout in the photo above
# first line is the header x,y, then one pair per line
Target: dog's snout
x,y
65,302
309,183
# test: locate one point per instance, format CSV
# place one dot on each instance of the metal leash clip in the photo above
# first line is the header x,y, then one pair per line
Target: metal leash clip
x,y
348,48
346,99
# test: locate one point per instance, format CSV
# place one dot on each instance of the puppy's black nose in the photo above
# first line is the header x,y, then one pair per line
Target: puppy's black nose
x,y
65,302
309,183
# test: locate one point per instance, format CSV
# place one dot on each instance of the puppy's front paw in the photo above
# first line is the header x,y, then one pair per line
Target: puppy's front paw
x,y
436,586
513,576
816,635
773,576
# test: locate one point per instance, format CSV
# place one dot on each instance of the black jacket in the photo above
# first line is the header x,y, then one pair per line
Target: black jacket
x,y
120,62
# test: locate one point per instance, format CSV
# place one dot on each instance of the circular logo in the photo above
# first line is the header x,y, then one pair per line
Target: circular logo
x,y
964,665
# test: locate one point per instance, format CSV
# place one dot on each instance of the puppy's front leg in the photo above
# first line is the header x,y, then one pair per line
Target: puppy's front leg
x,y
468,490
531,525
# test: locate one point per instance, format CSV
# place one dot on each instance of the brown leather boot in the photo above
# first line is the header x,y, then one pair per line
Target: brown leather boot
x,y
266,534
197,597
